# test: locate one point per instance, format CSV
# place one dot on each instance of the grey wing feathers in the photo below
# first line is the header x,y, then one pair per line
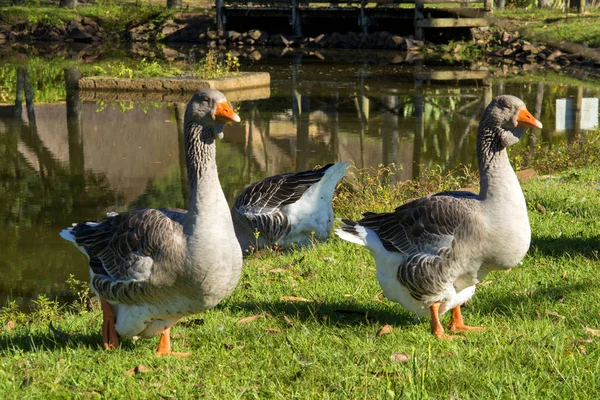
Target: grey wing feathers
x,y
127,248
176,214
424,225
259,206
425,231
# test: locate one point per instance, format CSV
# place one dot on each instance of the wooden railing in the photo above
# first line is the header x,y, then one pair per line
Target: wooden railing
x,y
420,21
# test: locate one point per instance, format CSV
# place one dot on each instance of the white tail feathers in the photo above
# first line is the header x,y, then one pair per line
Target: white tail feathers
x,y
352,233
67,235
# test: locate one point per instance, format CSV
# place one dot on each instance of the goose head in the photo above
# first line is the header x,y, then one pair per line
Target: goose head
x,y
208,109
507,116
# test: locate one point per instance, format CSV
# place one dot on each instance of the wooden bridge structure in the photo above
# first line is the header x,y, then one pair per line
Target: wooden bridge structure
x,y
368,14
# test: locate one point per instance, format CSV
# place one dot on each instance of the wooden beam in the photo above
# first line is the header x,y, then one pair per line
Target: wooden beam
x,y
451,22
451,75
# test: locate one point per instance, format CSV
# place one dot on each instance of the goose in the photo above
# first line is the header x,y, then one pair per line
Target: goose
x,y
284,210
148,270
431,252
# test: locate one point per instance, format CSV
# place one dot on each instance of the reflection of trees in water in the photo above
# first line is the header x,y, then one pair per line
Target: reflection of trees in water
x,y
36,199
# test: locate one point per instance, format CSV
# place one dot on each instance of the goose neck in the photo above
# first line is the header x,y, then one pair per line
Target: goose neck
x,y
496,173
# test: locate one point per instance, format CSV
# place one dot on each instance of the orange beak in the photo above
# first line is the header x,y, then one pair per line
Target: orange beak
x,y
225,113
526,120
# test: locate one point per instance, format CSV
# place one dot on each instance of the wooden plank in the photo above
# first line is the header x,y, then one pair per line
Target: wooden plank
x,y
451,22
451,75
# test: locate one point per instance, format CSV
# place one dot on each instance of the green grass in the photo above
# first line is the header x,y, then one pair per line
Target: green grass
x,y
536,344
554,26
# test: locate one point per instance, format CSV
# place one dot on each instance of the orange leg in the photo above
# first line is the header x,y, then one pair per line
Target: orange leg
x,y
436,327
164,346
110,338
457,325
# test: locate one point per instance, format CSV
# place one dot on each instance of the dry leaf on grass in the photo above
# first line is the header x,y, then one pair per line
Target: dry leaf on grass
x,y
294,298
288,320
555,314
385,330
249,319
140,369
10,325
400,358
276,270
541,208
272,330
594,332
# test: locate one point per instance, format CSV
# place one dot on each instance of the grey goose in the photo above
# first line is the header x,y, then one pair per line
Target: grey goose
x,y
148,270
431,252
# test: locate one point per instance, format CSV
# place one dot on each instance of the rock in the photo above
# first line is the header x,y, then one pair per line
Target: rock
x,y
321,40
397,59
394,41
255,55
79,34
231,35
255,34
529,47
211,35
506,37
336,39
170,29
554,55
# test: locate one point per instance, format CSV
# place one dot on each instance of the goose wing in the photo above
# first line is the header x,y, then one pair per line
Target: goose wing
x,y
259,206
132,253
425,231
427,225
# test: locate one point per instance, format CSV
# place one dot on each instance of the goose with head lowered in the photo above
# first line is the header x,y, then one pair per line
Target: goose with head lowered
x,y
284,210
431,252
148,270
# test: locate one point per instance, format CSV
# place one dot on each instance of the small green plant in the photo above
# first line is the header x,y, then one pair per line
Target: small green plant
x,y
12,313
44,308
81,290
211,66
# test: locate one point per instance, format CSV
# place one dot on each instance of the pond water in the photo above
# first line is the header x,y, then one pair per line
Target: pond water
x,y
73,160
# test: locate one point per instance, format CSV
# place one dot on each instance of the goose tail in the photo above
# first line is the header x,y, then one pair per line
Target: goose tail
x,y
69,234
352,232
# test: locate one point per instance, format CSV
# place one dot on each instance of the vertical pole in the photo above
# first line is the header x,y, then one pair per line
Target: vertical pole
x,y
581,7
296,27
578,107
419,124
488,6
419,16
220,17
75,133
363,18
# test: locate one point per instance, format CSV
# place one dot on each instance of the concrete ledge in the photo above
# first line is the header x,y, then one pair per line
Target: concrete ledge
x,y
257,93
243,81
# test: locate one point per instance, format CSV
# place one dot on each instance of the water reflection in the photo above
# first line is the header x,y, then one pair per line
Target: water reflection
x,y
72,161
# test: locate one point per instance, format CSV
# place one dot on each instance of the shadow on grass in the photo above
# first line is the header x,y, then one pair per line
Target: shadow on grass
x,y
510,304
333,314
554,247
54,339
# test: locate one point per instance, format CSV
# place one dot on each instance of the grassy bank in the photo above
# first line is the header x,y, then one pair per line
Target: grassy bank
x,y
553,26
316,314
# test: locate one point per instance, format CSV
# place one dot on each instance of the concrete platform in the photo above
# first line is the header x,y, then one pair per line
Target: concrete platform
x,y
244,86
